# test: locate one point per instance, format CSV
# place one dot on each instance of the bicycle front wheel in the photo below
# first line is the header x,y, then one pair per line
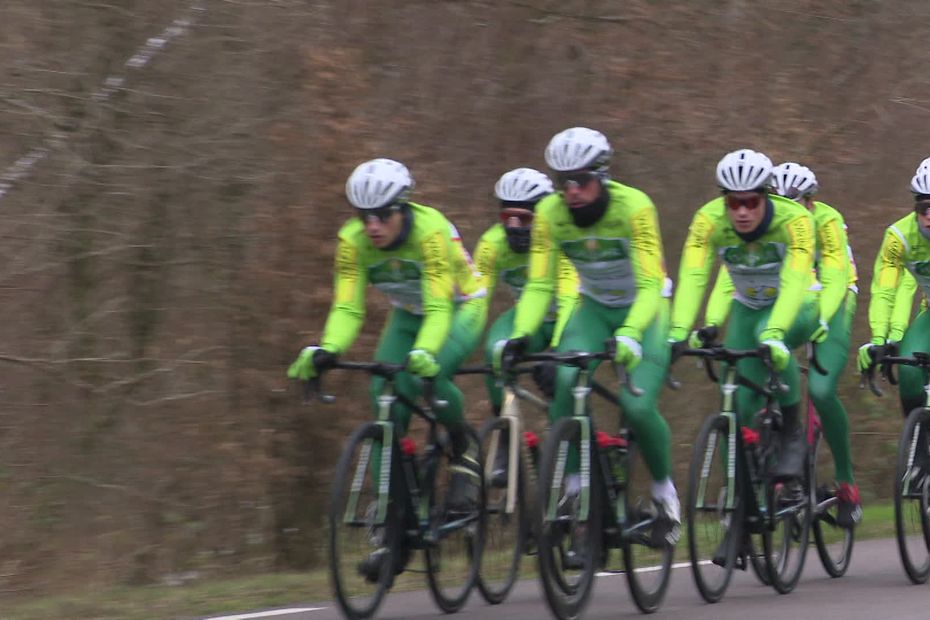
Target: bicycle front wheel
x,y
834,543
453,554
911,505
648,567
714,510
364,533
568,519
507,522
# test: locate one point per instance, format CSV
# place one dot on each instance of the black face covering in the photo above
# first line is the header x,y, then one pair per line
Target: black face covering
x,y
589,214
518,238
405,228
763,225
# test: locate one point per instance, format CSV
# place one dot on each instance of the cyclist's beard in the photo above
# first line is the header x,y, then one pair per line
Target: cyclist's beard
x,y
589,214
518,238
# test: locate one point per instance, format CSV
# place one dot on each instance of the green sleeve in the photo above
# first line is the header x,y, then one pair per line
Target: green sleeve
x,y
833,266
348,309
648,269
718,306
534,301
437,286
567,297
903,304
885,279
696,260
795,274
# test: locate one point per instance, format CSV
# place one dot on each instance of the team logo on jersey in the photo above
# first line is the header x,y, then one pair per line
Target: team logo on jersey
x,y
595,250
921,268
393,270
752,255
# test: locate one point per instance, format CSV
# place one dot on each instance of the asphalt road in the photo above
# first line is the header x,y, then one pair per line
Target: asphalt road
x,y
875,588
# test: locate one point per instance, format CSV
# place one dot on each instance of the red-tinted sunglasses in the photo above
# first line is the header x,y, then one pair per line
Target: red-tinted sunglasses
x,y
524,216
750,203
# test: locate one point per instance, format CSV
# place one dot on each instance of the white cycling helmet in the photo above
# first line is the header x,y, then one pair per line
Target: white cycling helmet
x,y
378,183
743,171
792,180
920,184
523,185
579,148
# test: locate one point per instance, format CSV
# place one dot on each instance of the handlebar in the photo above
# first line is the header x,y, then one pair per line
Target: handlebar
x,y
581,359
313,387
918,359
718,353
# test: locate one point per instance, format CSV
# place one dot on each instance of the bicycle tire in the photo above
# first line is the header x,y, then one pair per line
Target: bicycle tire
x,y
356,596
707,481
566,595
834,543
454,533
906,496
784,559
647,593
495,582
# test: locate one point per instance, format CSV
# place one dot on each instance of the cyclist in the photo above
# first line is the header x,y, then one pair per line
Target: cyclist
x,y
766,243
502,254
610,233
905,248
836,292
414,255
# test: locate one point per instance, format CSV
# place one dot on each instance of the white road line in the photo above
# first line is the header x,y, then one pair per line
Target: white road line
x,y
22,167
651,569
268,614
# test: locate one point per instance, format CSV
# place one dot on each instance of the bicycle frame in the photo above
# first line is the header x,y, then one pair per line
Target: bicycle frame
x,y
414,500
735,457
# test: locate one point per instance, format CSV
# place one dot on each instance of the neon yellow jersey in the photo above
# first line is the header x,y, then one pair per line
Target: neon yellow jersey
x,y
834,269
497,262
618,258
903,248
774,270
422,277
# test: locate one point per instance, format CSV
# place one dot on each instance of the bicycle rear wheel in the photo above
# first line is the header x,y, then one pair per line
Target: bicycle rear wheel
x,y
834,543
506,530
911,504
453,554
569,540
785,544
648,567
364,547
714,512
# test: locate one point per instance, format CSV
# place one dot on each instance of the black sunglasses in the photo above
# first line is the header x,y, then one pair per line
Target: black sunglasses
x,y
576,178
382,214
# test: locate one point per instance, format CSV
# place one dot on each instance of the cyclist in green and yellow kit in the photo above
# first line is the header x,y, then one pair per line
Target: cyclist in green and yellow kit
x,y
767,244
502,254
836,293
414,255
610,233
905,248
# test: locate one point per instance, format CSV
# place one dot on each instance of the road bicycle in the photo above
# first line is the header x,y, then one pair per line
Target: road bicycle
x,y
593,497
912,471
389,499
733,496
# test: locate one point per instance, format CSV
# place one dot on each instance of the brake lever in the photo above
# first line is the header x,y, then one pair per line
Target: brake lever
x,y
312,388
